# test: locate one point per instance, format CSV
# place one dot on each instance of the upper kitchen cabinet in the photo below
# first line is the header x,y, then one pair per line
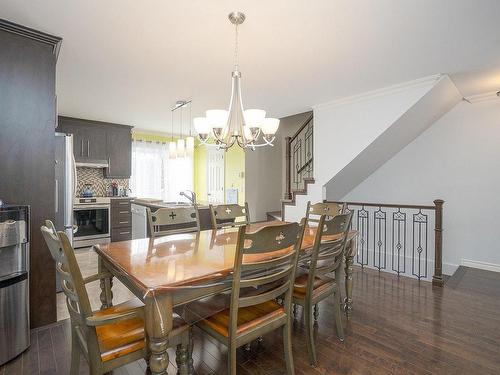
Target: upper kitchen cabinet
x,y
119,147
89,138
101,141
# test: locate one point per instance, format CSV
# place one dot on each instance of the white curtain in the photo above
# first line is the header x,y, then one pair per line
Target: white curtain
x,y
154,175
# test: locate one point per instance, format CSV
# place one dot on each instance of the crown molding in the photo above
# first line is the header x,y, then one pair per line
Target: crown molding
x,y
27,32
389,90
487,96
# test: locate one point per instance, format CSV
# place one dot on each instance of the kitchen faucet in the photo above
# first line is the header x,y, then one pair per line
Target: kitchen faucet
x,y
191,198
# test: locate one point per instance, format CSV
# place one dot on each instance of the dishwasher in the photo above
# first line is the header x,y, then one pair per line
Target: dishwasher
x,y
139,221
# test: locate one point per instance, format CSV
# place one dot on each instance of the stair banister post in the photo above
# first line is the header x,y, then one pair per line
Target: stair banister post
x,y
437,279
288,156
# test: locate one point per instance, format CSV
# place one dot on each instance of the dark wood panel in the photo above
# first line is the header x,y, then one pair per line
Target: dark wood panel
x,y
121,234
119,148
89,139
97,140
398,326
27,118
121,218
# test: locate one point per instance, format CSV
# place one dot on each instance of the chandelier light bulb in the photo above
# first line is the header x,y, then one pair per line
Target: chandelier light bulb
x,y
270,126
217,118
254,117
201,126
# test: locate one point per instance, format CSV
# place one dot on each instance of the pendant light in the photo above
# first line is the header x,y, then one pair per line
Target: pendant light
x,y
181,145
190,138
172,148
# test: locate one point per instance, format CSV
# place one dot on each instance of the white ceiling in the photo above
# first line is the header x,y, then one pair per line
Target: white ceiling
x,y
128,61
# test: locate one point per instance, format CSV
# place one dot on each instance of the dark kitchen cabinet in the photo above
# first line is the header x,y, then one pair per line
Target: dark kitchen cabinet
x,y
89,138
27,118
119,147
101,141
121,219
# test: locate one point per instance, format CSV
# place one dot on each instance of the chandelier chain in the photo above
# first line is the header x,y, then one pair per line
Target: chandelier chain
x,y
236,48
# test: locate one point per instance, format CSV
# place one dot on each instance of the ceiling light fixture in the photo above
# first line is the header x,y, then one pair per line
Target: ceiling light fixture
x,y
182,147
236,125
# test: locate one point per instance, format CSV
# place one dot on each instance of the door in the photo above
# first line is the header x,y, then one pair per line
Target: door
x,y
215,175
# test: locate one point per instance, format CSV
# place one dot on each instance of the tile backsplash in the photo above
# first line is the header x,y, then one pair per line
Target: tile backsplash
x,y
95,177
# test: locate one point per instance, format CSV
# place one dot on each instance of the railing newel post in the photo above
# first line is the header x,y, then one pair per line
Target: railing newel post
x,y
437,279
288,156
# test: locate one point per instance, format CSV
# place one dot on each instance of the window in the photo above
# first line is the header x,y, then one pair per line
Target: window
x,y
156,176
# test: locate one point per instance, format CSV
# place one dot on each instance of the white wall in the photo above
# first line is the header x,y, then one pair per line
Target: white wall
x,y
458,160
344,128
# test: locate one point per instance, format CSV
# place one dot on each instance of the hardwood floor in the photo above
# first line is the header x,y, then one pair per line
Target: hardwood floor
x,y
398,326
87,260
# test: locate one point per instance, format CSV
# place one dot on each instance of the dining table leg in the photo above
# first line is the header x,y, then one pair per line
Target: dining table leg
x,y
158,322
105,284
349,261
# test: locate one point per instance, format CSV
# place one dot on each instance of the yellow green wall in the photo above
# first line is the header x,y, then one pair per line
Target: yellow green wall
x,y
234,172
234,167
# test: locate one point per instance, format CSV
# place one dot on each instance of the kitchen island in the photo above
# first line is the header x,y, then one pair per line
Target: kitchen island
x,y
155,204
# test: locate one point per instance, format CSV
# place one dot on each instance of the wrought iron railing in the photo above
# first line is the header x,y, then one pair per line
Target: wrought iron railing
x,y
299,159
398,238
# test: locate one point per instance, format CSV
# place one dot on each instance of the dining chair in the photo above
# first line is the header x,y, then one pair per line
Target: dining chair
x,y
323,208
108,338
316,281
229,215
264,269
166,221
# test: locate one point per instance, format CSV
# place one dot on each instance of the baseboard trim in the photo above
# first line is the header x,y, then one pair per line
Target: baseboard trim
x,y
481,265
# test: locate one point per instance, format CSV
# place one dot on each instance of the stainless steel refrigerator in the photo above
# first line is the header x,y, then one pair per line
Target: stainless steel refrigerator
x,y
65,186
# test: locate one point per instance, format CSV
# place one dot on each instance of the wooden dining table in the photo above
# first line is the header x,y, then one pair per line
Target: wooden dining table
x,y
176,270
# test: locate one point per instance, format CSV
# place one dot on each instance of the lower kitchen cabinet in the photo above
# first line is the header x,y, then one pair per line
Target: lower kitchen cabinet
x,y
121,219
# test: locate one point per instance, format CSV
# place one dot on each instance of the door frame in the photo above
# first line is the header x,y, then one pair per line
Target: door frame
x,y
210,154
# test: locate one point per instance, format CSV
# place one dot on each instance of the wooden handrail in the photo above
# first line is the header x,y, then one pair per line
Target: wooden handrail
x,y
389,205
309,118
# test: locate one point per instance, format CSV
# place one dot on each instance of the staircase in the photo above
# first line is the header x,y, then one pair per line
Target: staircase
x,y
299,163
354,136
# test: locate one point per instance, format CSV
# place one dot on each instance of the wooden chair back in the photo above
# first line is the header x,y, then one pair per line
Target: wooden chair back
x,y
265,263
77,299
184,219
229,215
323,208
327,255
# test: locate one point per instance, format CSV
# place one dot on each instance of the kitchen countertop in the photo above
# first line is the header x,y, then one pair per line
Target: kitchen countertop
x,y
157,203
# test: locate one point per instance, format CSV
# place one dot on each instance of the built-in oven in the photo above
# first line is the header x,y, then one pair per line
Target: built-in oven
x,y
92,219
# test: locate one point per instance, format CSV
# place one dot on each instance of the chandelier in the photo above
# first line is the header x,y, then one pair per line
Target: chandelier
x,y
236,125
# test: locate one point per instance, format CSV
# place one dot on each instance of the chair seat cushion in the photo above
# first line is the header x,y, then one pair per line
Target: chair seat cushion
x,y
125,337
248,318
320,285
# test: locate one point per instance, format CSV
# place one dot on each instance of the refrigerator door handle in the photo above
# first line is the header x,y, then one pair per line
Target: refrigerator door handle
x,y
57,197
74,177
